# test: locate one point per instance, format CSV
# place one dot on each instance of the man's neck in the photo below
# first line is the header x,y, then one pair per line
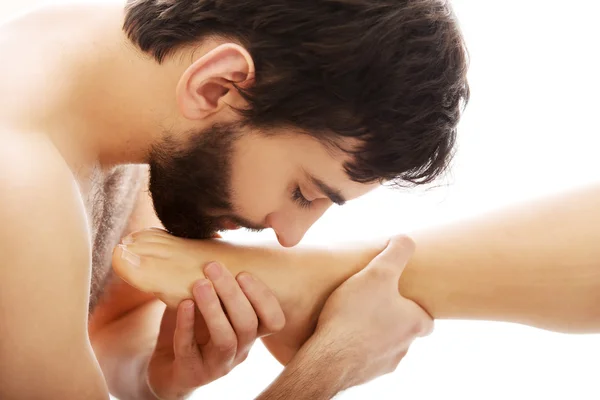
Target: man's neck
x,y
118,101
123,96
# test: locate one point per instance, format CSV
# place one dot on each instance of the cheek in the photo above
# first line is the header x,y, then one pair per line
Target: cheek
x,y
258,187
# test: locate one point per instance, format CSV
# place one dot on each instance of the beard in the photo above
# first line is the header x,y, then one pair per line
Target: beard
x,y
188,180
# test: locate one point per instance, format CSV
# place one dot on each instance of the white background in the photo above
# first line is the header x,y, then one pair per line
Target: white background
x,y
530,129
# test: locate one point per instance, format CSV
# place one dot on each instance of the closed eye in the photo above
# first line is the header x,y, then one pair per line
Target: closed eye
x,y
300,199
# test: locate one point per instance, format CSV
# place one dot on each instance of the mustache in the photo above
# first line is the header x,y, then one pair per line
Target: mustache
x,y
246,224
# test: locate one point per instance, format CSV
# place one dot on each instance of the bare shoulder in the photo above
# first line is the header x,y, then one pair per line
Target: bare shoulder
x,y
44,276
36,184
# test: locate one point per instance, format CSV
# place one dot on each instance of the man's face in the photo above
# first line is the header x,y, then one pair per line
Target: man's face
x,y
222,179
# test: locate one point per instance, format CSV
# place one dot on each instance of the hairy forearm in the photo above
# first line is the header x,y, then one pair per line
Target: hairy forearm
x,y
536,264
123,349
312,375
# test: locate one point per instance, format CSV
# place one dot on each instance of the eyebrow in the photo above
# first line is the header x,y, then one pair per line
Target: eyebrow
x,y
334,195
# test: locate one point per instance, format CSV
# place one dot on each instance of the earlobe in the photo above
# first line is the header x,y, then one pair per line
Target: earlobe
x,y
206,84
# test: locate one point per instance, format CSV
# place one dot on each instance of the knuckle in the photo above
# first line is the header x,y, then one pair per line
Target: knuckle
x,y
416,329
251,326
226,346
427,328
248,332
421,327
243,357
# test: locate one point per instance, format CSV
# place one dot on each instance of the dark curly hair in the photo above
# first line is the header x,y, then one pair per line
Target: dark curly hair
x,y
391,73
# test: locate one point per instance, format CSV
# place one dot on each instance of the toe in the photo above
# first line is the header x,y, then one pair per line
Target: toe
x,y
150,249
152,235
133,268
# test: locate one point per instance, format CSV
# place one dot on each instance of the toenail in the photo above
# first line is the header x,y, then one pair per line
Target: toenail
x,y
245,278
127,240
128,256
213,271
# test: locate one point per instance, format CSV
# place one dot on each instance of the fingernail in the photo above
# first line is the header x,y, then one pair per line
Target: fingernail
x,y
245,278
127,240
128,256
188,305
213,271
203,290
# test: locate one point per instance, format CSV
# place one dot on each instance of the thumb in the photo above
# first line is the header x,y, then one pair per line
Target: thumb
x,y
394,257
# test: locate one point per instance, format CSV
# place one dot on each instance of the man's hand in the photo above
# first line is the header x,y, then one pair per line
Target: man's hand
x,y
195,348
363,332
367,323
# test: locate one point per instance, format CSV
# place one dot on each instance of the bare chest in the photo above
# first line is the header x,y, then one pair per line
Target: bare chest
x,y
109,199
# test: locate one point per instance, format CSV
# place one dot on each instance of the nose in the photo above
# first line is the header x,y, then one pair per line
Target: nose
x,y
289,239
291,227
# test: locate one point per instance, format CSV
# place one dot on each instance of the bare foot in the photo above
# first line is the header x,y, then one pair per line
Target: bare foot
x,y
154,261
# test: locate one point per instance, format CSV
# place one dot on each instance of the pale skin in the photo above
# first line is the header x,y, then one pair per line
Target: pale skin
x,y
104,105
76,98
537,263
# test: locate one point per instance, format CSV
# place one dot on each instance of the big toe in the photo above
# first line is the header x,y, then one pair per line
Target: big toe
x,y
132,267
151,270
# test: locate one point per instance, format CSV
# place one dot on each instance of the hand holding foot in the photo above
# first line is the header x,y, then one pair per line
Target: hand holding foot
x,y
302,280
364,331
198,346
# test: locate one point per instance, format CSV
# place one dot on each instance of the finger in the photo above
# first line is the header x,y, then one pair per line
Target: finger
x,y
222,346
238,307
394,257
270,315
184,343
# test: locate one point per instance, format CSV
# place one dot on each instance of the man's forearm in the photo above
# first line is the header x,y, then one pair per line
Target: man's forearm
x,y
124,347
536,264
313,374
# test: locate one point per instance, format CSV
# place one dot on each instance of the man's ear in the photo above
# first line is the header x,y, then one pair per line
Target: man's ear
x,y
203,87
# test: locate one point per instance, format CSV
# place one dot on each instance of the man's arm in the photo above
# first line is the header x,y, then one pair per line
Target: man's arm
x,y
536,263
123,345
44,279
139,344
313,374
125,325
363,332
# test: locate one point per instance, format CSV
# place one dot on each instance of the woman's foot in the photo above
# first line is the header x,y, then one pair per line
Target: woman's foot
x,y
157,262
